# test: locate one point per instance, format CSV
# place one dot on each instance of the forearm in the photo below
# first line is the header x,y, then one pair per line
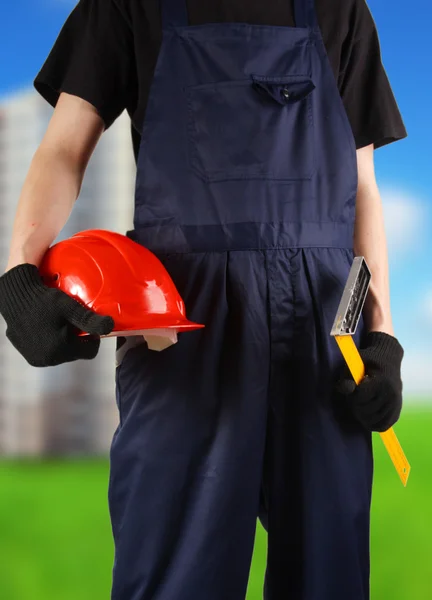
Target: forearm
x,y
49,192
54,179
370,242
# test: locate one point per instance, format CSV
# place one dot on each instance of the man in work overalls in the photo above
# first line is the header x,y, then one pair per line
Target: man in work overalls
x,y
256,124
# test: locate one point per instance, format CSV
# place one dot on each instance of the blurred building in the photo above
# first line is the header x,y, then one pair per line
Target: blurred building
x,y
69,409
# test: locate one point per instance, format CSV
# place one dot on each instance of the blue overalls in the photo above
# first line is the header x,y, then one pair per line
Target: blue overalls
x,y
246,190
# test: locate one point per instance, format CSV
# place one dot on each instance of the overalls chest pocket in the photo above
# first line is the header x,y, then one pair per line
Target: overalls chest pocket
x,y
257,128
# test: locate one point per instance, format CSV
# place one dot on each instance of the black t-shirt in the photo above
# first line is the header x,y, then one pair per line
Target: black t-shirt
x,y
107,50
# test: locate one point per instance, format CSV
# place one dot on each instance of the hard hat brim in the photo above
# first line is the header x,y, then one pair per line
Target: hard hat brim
x,y
180,326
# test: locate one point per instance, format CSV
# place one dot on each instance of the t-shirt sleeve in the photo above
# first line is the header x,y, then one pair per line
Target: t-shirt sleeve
x,y
92,58
364,85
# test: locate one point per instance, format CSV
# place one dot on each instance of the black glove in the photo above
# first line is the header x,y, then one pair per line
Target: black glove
x,y
377,401
42,322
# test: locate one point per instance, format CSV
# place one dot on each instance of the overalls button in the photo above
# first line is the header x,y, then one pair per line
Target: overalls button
x,y
285,93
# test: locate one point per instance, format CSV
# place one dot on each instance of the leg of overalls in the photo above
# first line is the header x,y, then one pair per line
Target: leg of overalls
x,y
318,468
186,462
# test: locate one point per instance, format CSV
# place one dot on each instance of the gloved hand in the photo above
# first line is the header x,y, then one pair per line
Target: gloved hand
x,y
41,321
377,401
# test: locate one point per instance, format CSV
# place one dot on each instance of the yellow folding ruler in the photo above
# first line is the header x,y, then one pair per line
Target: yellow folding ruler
x,y
344,327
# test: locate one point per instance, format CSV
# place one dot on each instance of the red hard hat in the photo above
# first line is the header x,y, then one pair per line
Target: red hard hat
x,y
113,275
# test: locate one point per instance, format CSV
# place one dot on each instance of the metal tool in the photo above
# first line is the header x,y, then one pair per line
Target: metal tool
x,y
344,327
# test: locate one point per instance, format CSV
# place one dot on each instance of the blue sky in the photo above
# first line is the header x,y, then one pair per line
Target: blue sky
x,y
28,29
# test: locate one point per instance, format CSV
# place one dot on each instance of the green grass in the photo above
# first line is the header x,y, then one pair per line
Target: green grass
x,y
55,538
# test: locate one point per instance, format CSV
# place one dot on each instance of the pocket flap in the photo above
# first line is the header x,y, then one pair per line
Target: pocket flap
x,y
284,90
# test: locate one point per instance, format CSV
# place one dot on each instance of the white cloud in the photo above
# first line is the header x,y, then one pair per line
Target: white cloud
x,y
405,221
427,308
417,375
